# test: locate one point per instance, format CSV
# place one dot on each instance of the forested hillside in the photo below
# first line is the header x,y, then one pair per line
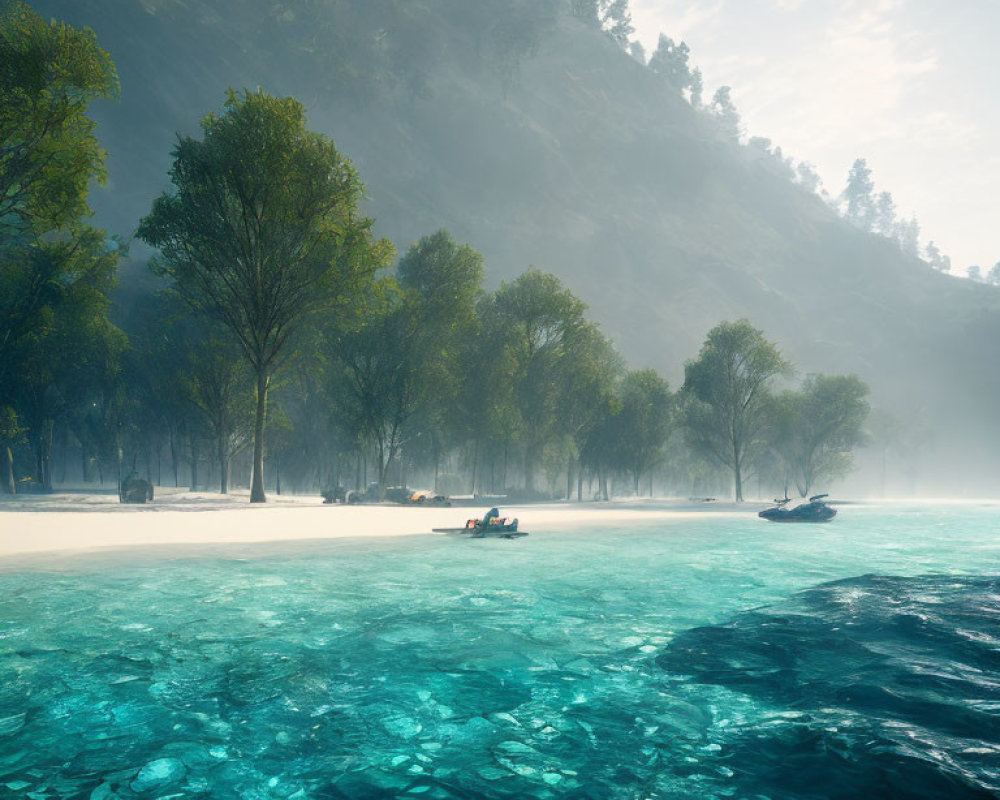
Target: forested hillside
x,y
529,133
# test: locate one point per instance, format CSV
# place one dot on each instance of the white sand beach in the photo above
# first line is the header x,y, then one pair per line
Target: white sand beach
x,y
80,520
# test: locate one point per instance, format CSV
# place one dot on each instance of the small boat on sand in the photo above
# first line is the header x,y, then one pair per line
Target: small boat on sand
x,y
816,510
492,525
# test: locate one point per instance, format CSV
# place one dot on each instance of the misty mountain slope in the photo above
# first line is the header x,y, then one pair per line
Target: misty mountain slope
x,y
532,137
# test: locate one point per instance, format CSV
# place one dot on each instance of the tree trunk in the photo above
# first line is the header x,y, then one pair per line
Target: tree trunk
x,y
223,464
529,468
118,459
570,464
63,450
579,485
737,477
475,465
47,453
503,475
257,482
382,470
194,465
173,455
7,470
39,468
635,483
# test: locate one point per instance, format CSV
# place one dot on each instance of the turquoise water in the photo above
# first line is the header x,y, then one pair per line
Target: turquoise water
x,y
719,657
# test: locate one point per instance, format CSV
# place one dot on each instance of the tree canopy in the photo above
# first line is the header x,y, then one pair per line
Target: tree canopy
x,y
262,230
726,390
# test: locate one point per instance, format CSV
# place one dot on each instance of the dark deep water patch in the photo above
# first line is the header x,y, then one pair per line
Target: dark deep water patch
x,y
892,684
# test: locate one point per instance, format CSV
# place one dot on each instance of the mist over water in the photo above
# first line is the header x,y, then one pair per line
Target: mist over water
x,y
720,657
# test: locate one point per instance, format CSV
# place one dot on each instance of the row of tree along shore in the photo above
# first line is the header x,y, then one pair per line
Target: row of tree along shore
x,y
284,333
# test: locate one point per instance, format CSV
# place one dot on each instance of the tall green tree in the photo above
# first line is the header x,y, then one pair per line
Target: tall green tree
x,y
49,74
442,281
375,380
52,354
726,392
587,379
399,359
261,231
536,318
643,423
821,424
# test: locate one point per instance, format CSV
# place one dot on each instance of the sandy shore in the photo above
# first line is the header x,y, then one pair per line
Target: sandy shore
x,y
76,521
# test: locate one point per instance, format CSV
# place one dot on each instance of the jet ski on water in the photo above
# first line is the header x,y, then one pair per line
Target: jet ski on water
x,y
816,510
490,525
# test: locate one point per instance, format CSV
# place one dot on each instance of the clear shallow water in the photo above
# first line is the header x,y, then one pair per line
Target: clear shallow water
x,y
718,657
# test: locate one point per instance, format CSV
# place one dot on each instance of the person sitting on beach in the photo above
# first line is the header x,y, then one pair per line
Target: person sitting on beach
x,y
492,514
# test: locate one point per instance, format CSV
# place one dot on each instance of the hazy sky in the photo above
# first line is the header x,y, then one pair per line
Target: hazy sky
x,y
910,85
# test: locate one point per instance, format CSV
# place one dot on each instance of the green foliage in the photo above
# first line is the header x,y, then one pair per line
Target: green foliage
x,y
670,61
57,337
49,73
262,230
632,428
534,321
819,426
726,395
725,113
397,364
643,422
859,195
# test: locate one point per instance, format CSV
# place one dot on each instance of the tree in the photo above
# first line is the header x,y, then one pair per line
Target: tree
x,y
219,385
58,335
726,391
859,195
937,259
442,281
586,378
808,178
724,110
822,423
262,231
908,236
993,276
49,73
670,61
616,20
885,215
398,356
643,423
535,318
10,434
697,87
